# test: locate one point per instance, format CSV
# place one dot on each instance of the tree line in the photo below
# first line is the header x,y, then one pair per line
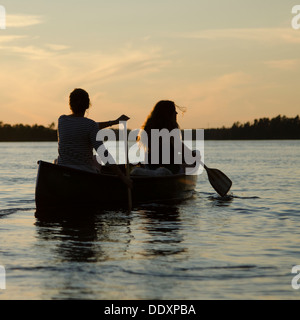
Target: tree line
x,y
280,127
21,132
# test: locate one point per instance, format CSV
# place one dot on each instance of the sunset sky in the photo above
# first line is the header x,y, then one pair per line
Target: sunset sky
x,y
224,60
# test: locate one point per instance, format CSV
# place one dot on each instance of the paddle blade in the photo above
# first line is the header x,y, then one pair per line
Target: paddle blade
x,y
219,181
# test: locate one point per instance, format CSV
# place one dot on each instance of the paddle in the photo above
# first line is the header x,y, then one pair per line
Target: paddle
x,y
124,122
219,181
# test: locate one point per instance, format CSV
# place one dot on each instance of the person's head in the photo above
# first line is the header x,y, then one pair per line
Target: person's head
x,y
79,101
162,116
165,112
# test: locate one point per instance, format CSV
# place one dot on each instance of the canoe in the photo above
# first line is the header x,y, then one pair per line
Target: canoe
x,y
60,187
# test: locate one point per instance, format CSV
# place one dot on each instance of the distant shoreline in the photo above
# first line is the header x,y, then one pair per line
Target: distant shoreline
x,y
278,128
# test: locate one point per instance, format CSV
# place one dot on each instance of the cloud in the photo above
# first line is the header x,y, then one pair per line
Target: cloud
x,y
44,74
22,20
10,38
57,47
215,99
19,46
30,52
266,35
284,64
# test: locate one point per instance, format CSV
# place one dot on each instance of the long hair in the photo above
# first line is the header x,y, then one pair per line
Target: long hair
x,y
161,117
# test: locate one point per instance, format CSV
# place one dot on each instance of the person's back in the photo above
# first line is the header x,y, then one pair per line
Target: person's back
x,y
77,135
76,140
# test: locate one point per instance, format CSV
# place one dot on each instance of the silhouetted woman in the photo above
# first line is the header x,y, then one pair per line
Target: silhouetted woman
x,y
77,136
163,116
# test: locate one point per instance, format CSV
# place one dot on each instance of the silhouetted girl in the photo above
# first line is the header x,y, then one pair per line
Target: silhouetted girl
x,y
77,136
163,116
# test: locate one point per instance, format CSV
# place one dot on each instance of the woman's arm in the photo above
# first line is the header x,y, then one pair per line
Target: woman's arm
x,y
106,124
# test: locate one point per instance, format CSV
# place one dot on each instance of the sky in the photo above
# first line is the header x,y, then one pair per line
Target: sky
x,y
223,60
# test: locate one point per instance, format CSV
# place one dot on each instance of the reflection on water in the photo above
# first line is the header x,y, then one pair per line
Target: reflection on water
x,y
239,247
102,244
221,201
163,224
83,239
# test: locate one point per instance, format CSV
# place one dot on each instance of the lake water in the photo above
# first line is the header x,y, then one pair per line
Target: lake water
x,y
241,247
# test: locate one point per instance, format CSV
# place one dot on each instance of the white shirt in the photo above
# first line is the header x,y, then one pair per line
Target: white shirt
x,y
76,141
